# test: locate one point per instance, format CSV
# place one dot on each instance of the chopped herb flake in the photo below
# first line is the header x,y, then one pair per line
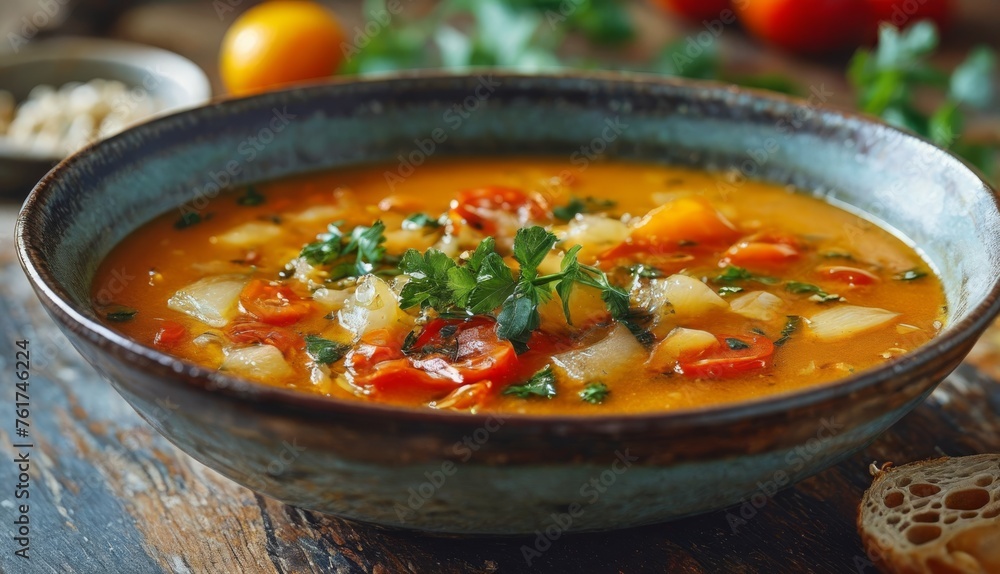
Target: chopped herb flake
x,y
251,197
733,273
120,314
791,325
595,393
325,351
541,384
420,221
729,290
334,249
818,294
736,344
577,206
188,219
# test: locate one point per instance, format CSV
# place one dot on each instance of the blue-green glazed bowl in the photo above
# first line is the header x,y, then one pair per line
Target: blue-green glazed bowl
x,y
479,474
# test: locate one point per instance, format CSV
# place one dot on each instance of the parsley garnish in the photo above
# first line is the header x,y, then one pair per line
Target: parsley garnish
x,y
736,344
325,351
541,384
595,393
420,221
791,324
120,314
577,206
733,273
251,197
646,272
335,249
485,284
910,275
729,290
188,219
819,295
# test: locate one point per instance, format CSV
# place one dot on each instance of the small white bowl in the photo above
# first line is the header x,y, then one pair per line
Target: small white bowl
x,y
174,81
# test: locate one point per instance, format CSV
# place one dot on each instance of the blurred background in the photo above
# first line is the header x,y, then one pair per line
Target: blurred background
x,y
924,65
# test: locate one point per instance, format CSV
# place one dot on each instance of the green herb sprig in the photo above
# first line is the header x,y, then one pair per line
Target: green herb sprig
x,y
347,256
485,284
541,384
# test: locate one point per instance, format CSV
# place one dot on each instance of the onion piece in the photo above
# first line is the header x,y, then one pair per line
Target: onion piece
x,y
759,305
616,353
680,296
845,321
250,233
373,305
595,234
680,343
331,299
259,362
212,300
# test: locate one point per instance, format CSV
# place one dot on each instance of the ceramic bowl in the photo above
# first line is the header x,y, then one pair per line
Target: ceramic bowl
x,y
174,81
480,474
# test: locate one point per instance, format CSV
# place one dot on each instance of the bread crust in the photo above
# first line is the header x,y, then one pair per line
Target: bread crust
x,y
939,516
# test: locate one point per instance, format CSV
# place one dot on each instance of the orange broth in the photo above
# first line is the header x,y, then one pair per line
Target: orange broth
x,y
806,256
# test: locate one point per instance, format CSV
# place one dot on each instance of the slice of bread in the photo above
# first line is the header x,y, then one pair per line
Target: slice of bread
x,y
936,516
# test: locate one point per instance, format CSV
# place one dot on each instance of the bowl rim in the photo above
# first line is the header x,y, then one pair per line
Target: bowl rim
x,y
67,49
279,400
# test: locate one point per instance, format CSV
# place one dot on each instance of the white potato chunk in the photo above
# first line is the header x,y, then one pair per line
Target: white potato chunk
x,y
250,234
372,306
614,354
259,362
212,300
681,296
759,305
844,321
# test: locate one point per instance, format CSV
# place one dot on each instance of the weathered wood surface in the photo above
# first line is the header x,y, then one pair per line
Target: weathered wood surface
x,y
110,495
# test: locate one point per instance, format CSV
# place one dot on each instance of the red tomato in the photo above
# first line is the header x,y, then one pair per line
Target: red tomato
x,y
274,304
902,13
249,331
753,353
451,352
466,397
696,10
483,208
170,335
808,26
850,275
767,250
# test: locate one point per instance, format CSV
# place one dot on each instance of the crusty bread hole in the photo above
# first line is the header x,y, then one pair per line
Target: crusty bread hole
x,y
919,518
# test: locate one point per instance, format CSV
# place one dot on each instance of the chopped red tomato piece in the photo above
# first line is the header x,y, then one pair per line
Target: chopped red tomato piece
x,y
248,331
170,335
466,397
483,207
450,353
274,304
767,249
733,357
850,275
684,221
375,347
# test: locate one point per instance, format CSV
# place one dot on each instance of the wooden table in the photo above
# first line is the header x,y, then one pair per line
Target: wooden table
x,y
110,495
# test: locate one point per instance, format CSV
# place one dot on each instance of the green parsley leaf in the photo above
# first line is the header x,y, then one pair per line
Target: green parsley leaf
x,y
736,344
729,290
733,273
910,275
595,393
327,249
325,351
646,272
541,384
517,319
365,243
570,269
494,284
462,283
485,247
420,221
792,323
251,197
531,245
818,294
429,284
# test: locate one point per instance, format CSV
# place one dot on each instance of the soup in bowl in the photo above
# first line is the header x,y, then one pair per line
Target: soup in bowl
x,y
464,309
